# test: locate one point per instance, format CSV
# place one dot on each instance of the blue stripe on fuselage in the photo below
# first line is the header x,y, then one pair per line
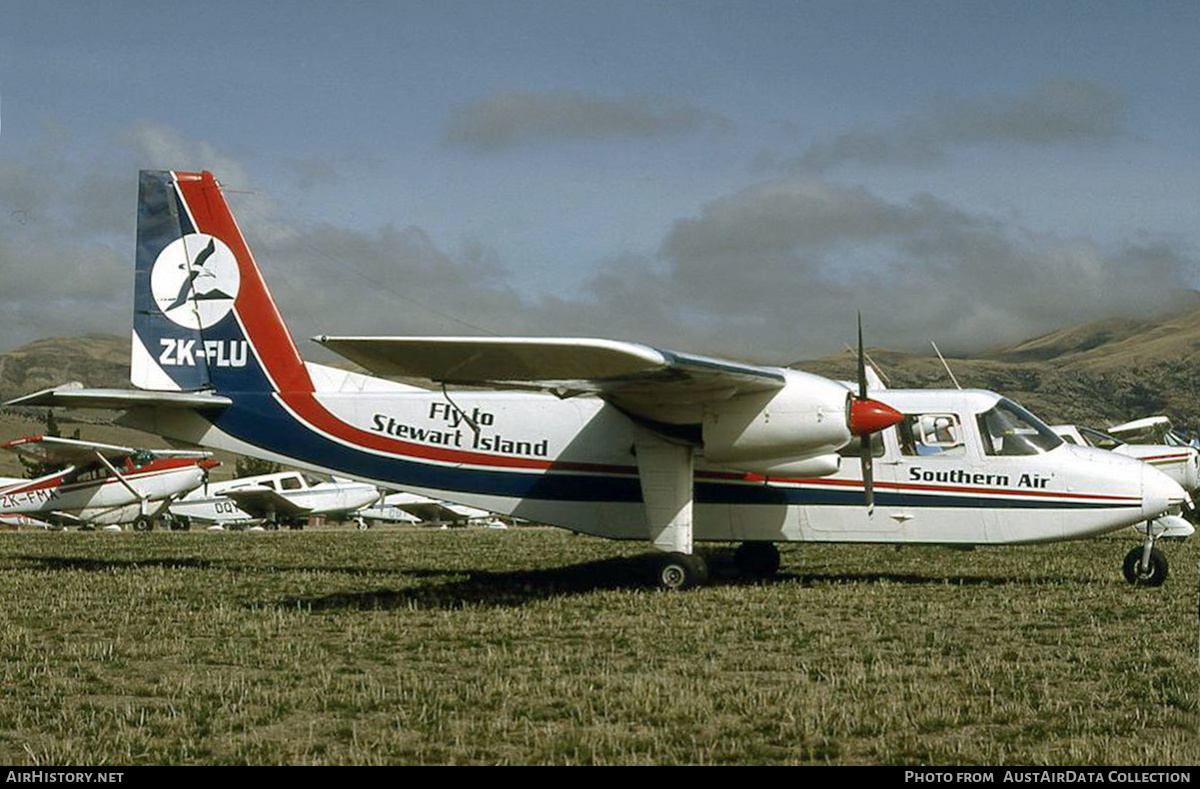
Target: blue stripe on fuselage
x,y
259,419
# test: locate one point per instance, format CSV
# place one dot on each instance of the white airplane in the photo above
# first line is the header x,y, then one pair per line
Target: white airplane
x,y
1180,462
271,498
606,438
411,508
101,485
1155,429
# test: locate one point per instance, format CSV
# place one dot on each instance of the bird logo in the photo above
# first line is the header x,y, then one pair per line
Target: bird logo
x,y
195,280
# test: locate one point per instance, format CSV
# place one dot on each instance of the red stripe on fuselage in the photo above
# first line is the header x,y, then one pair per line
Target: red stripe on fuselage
x,y
255,309
315,415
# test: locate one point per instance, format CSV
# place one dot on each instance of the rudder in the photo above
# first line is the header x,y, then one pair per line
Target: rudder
x,y
203,317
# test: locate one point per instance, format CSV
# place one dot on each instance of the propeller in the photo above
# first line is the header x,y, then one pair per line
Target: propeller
x,y
867,416
206,465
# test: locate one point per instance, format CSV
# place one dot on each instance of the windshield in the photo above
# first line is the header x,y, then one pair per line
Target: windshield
x,y
1178,439
1008,429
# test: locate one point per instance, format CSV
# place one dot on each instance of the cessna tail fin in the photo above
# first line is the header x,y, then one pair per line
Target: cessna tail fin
x,y
203,317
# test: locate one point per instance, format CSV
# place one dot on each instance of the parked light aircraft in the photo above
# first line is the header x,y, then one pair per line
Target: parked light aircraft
x,y
1180,462
1157,429
608,438
102,484
282,496
411,508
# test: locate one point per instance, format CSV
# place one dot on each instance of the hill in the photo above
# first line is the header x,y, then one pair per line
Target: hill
x,y
97,360
1098,373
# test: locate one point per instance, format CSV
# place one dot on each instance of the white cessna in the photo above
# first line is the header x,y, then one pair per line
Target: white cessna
x,y
607,438
101,484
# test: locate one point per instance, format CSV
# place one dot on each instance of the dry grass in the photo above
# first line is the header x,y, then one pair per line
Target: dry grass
x,y
538,647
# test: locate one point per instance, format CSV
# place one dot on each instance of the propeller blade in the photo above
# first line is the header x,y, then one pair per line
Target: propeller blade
x,y
862,363
868,416
868,472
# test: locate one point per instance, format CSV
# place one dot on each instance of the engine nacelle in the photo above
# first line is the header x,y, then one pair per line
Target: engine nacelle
x,y
805,419
816,466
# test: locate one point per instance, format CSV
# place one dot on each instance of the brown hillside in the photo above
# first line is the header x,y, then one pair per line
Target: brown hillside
x,y
1098,373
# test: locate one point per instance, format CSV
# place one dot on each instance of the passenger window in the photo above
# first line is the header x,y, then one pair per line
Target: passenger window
x,y
269,483
931,434
291,483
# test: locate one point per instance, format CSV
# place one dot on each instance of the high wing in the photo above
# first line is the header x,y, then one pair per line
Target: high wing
x,y
259,501
634,377
71,451
1155,426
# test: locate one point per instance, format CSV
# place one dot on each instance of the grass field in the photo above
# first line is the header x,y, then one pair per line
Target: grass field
x,y
534,646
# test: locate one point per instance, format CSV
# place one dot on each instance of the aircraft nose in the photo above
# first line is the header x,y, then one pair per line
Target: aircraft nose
x,y
1159,492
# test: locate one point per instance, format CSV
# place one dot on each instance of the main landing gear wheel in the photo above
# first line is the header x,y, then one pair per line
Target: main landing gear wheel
x,y
679,571
1153,575
757,559
142,523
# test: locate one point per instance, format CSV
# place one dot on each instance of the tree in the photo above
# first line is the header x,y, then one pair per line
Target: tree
x,y
34,468
252,467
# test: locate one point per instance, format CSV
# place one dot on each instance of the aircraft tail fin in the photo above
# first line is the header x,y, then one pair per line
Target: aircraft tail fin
x,y
203,317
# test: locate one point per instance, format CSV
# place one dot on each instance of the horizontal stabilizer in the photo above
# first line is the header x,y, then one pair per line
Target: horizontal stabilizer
x,y
75,395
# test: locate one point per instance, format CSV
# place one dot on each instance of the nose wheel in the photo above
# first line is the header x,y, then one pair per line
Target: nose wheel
x,y
1146,566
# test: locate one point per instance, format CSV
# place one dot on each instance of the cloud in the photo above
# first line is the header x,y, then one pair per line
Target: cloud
x,y
514,118
786,265
1056,112
772,272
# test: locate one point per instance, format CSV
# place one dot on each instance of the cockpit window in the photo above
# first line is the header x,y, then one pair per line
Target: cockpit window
x,y
141,458
1178,439
1008,429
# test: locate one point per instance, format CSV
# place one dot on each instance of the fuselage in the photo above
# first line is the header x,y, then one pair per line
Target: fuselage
x,y
316,497
570,463
95,495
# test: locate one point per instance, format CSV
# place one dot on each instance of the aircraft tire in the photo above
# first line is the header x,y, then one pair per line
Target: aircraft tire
x,y
142,523
1158,568
757,559
679,571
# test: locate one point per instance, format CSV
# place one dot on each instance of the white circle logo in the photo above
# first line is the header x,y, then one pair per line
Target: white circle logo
x,y
195,280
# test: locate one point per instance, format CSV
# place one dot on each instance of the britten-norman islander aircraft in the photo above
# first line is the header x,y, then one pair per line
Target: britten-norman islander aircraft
x,y
607,438
102,484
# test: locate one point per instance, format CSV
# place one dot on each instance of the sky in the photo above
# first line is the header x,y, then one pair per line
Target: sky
x,y
732,178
